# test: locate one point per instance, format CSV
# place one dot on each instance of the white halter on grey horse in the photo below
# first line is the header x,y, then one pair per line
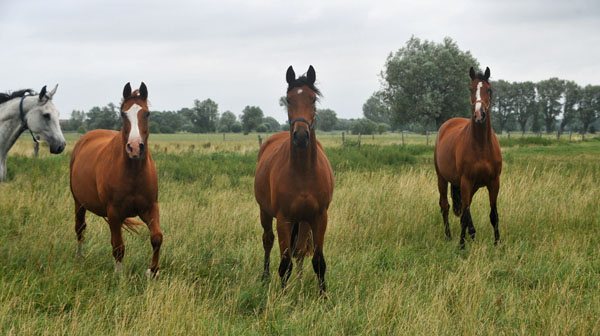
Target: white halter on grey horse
x,y
22,110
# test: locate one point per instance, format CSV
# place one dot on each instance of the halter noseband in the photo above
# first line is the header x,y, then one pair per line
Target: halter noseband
x,y
311,125
23,122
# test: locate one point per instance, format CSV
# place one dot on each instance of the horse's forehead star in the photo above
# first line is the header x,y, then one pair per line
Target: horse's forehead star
x,y
300,91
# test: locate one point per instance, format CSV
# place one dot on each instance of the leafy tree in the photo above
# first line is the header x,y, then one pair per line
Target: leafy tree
x,y
272,124
285,127
375,109
227,120
106,117
262,128
343,124
382,128
326,119
524,103
550,92
77,120
589,106
186,114
427,82
205,115
363,126
236,127
571,98
251,117
168,122
154,127
503,104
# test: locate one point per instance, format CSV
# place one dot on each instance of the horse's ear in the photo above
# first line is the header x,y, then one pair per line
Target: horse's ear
x,y
127,91
472,73
290,75
143,91
311,75
487,73
42,93
52,92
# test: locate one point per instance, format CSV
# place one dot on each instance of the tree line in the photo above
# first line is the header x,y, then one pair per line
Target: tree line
x,y
426,83
204,117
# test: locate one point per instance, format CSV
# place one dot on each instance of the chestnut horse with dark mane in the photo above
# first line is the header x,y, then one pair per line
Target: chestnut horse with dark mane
x,y
467,154
294,183
113,175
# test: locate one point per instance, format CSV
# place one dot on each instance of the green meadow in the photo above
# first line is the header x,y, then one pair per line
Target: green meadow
x,y
389,268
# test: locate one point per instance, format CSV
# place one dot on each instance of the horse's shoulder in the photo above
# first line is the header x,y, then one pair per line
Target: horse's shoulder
x,y
273,143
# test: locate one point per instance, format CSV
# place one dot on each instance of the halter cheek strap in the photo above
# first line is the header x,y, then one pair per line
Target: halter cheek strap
x,y
23,122
311,125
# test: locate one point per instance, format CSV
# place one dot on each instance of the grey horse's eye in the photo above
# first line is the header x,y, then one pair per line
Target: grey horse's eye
x,y
46,116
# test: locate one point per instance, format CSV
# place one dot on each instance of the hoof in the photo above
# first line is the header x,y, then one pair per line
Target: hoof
x,y
79,253
150,274
448,237
118,268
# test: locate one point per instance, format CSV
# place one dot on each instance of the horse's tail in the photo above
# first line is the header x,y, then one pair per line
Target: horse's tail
x,y
301,241
130,224
456,203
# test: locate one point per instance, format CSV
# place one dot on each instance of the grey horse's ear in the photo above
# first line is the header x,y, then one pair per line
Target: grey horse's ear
x,y
51,93
126,91
42,93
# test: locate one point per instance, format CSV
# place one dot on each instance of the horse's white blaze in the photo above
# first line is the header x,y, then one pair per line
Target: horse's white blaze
x,y
134,133
300,91
478,97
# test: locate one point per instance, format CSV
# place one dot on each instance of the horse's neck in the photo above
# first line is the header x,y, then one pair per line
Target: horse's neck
x,y
482,133
304,159
10,125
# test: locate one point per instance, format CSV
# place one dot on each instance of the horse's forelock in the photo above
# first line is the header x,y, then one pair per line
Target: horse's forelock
x,y
303,81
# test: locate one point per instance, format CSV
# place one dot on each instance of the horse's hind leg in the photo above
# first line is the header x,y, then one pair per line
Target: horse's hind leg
x,y
493,189
79,227
268,238
443,189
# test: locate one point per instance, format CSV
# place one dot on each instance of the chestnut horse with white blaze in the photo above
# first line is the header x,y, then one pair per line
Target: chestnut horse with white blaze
x,y
294,183
113,176
467,154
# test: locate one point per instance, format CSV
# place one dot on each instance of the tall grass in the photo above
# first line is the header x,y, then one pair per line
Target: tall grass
x,y
389,269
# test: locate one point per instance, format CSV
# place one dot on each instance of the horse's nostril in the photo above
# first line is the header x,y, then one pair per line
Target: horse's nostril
x,y
141,148
129,148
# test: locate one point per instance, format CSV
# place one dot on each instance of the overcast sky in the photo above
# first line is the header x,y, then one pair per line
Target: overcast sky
x,y
237,52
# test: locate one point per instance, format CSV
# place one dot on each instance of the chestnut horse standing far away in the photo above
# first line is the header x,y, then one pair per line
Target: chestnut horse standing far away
x,y
467,154
294,183
113,175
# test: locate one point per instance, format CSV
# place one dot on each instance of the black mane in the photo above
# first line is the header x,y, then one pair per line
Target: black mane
x,y
302,81
481,76
4,97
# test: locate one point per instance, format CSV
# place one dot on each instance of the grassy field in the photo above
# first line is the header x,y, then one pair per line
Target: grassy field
x,y
389,268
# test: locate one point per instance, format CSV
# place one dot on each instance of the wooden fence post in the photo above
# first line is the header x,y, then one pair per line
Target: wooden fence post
x,y
402,138
359,141
508,135
342,137
427,136
223,136
570,134
373,137
259,140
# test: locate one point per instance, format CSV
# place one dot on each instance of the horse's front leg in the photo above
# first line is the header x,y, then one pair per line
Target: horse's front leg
x,y
318,229
2,166
284,235
493,189
466,192
152,220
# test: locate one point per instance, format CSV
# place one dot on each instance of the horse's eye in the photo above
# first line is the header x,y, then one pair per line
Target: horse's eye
x,y
46,116
147,114
287,100
314,100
